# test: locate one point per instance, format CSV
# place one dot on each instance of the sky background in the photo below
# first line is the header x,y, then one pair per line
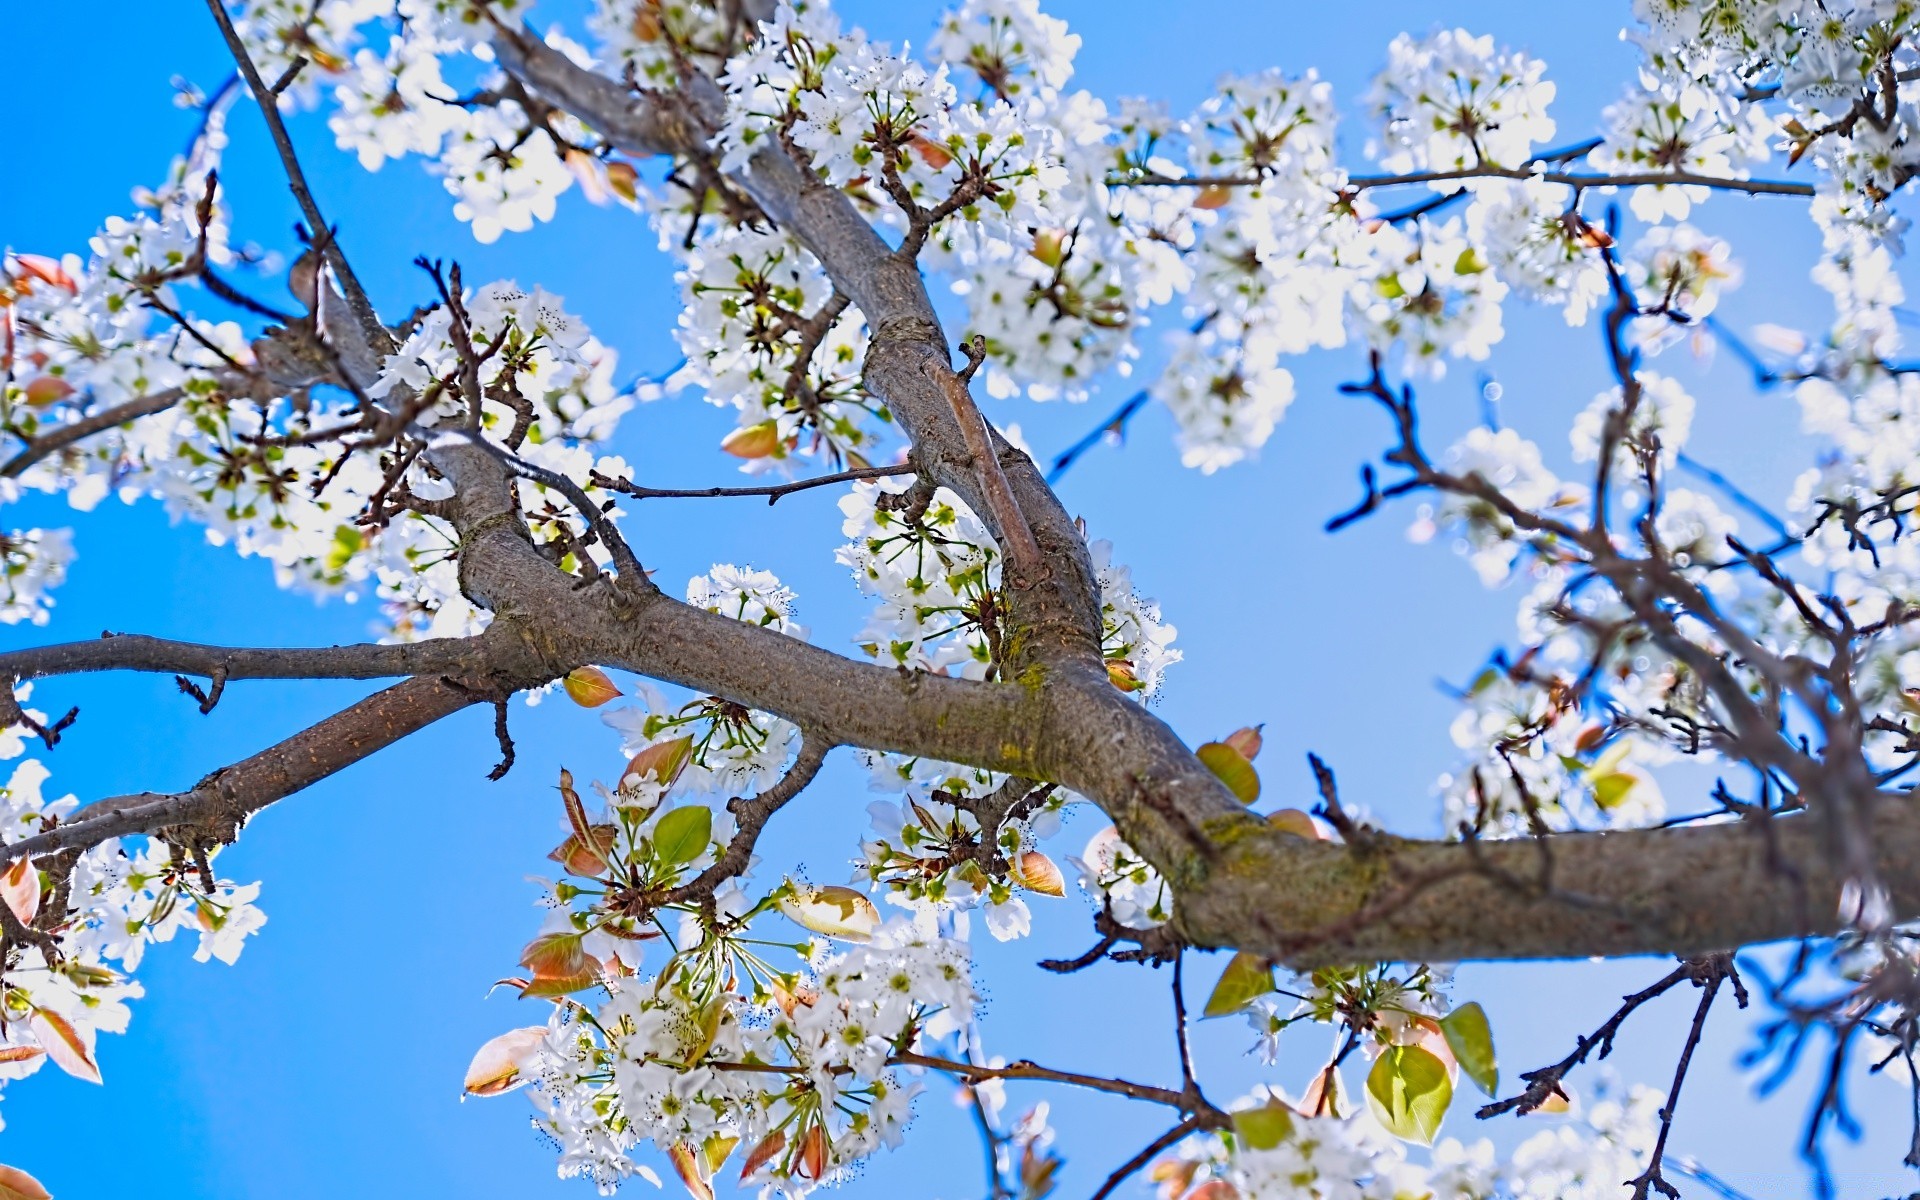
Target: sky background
x,y
328,1061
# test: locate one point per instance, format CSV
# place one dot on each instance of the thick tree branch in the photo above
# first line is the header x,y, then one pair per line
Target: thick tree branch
x,y
1237,882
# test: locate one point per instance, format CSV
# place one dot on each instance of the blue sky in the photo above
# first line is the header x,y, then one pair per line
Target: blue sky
x,y
328,1061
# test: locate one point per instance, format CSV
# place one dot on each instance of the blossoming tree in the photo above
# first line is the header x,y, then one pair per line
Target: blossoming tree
x,y
850,222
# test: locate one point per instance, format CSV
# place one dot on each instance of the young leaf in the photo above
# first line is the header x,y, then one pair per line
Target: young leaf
x,y
813,1152
682,835
20,888
662,761
1233,769
16,1184
687,1165
624,180
764,1153
66,1046
1247,741
1296,822
583,841
1036,872
834,911
553,955
590,687
1326,1094
1247,976
753,441
1264,1127
715,1150
1471,1038
546,987
1408,1091
496,1066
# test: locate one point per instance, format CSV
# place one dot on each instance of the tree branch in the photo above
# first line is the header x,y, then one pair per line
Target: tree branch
x,y
269,103
216,807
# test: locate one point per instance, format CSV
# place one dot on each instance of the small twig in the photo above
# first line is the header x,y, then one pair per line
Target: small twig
x,y
1016,538
501,735
772,491
1544,1083
269,104
1708,974
1145,1156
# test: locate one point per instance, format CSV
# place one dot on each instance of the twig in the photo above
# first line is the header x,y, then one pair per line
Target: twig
x,y
1544,1083
60,437
772,491
1708,974
269,102
1016,538
1145,1156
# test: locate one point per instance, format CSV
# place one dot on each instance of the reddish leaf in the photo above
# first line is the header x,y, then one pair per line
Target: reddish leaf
x,y
45,389
496,1066
813,1153
64,1045
590,687
1036,872
931,152
687,1164
16,1184
579,860
662,761
1246,740
20,888
583,836
1213,196
764,1153
46,270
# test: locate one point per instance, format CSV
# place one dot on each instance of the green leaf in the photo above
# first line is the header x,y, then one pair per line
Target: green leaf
x,y
1246,977
1471,1040
1233,769
1265,1127
1611,789
683,834
1408,1091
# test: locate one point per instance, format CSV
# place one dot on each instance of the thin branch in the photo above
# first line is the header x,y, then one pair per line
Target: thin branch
x,y
60,437
1544,1083
1708,974
1016,536
137,652
269,103
1127,1169
1026,1069
752,817
1577,179
216,807
772,491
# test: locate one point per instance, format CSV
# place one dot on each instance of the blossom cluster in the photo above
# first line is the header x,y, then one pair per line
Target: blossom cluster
x,y
1298,1157
58,994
